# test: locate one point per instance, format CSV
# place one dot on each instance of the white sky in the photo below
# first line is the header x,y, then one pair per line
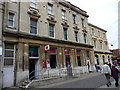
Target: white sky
x,y
104,14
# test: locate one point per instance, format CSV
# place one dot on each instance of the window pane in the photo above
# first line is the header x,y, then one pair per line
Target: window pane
x,y
33,30
51,30
33,26
9,53
33,51
9,46
10,23
8,61
11,15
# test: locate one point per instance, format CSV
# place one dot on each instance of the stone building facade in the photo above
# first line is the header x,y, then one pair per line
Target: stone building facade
x,y
102,53
41,35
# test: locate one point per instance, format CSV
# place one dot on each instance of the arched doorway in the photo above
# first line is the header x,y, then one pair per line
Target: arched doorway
x,y
103,59
97,59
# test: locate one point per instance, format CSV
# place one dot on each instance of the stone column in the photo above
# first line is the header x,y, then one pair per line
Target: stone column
x,y
26,57
83,58
42,54
59,57
63,58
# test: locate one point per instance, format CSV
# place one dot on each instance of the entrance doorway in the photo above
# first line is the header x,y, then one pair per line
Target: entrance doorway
x,y
67,57
53,61
53,58
8,65
34,65
97,59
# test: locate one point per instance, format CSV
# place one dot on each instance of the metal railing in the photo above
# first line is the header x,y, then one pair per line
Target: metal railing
x,y
52,73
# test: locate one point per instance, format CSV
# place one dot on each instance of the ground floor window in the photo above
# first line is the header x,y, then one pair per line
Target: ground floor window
x,y
33,61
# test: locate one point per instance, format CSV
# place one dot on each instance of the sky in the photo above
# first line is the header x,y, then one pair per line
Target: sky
x,y
104,14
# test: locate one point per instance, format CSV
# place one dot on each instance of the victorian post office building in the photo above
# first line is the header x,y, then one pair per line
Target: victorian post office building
x,y
35,33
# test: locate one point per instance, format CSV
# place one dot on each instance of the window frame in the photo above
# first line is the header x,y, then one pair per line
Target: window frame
x,y
65,33
63,12
85,38
74,19
50,9
35,27
76,36
33,4
11,20
52,31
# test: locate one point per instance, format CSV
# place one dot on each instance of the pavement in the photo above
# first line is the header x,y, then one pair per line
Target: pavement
x,y
82,77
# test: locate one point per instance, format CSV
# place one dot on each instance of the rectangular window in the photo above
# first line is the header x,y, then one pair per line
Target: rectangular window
x,y
9,54
74,19
33,3
95,44
92,31
101,45
51,30
11,19
33,26
63,15
76,36
98,33
65,33
33,51
85,38
50,9
82,22
104,36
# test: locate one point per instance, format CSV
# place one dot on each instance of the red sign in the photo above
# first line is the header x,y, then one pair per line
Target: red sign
x,y
44,64
47,47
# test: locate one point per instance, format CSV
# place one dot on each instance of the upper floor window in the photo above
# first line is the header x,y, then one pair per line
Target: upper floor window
x,y
101,45
33,3
50,9
95,45
82,22
51,30
85,38
104,36
33,26
63,14
98,33
92,31
74,18
65,33
11,20
76,36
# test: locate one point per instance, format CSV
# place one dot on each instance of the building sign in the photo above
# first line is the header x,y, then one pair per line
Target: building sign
x,y
47,47
0,50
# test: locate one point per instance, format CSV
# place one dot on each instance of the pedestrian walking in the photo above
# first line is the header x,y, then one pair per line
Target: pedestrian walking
x,y
114,74
107,72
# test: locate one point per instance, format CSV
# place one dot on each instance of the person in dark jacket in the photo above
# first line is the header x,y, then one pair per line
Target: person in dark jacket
x,y
114,74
